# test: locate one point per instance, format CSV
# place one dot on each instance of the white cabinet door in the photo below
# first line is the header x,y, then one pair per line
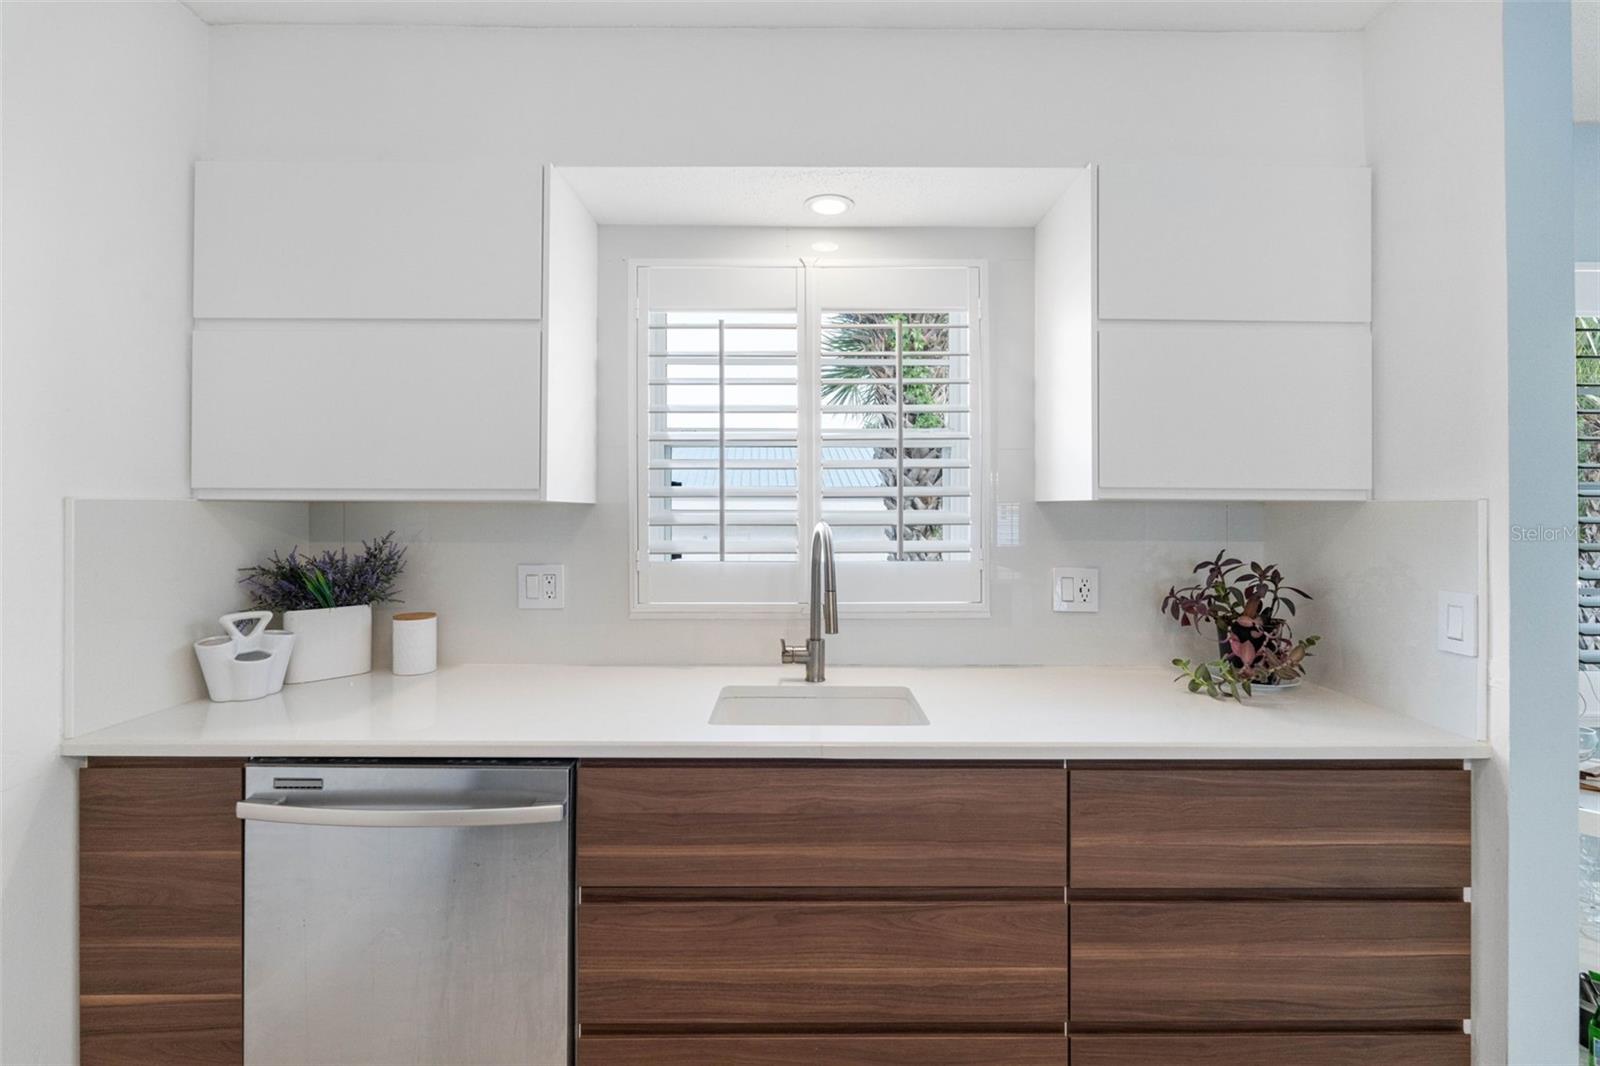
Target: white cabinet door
x,y
1235,242
1235,410
367,411
368,240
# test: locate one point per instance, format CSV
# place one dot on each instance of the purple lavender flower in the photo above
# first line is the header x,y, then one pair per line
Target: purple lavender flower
x,y
332,579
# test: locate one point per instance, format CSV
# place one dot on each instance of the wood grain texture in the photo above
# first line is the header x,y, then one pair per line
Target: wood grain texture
x,y
1169,964
793,965
137,894
1303,829
898,1049
165,809
160,913
765,824
172,1030
1273,1049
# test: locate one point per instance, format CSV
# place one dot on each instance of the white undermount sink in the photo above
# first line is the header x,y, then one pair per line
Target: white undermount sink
x,y
803,704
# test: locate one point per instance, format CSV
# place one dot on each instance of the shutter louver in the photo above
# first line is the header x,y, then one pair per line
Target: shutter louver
x,y
894,434
723,435
1588,495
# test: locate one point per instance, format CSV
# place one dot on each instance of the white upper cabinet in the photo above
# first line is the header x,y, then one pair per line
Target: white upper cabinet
x,y
1235,242
385,330
1202,331
1280,410
367,411
368,240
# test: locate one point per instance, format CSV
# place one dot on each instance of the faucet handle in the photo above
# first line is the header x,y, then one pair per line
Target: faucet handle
x,y
792,653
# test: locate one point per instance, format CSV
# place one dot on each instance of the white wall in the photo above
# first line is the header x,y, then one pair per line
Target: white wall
x,y
1437,137
1376,570
463,558
128,652
671,97
103,106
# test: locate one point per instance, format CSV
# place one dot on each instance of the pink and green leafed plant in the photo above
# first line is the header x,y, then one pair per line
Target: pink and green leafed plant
x,y
1249,607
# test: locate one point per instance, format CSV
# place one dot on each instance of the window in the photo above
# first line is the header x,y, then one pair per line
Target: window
x,y
772,396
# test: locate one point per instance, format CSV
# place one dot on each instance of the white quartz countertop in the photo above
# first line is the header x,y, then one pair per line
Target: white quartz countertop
x,y
662,712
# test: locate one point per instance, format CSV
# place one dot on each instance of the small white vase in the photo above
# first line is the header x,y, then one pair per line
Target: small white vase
x,y
330,642
416,643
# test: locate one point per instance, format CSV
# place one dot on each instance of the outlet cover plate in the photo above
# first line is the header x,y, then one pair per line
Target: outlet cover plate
x,y
1075,588
541,586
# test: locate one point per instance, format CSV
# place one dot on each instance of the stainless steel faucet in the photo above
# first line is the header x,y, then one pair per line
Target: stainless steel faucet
x,y
824,607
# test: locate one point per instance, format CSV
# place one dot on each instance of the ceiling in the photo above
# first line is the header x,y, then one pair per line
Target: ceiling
x,y
775,196
1201,15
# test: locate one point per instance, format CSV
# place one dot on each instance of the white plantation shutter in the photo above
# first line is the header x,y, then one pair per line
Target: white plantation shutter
x,y
770,396
896,430
721,494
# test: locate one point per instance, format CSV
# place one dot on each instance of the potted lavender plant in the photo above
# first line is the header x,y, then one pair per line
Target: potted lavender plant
x,y
1249,608
326,601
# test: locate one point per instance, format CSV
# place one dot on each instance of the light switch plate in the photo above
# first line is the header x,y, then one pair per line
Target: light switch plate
x,y
1458,623
541,586
1075,588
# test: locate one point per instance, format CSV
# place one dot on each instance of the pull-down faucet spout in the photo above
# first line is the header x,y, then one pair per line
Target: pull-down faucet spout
x,y
824,607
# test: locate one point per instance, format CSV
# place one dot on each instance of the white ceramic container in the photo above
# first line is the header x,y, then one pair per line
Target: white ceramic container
x,y
249,662
330,642
416,642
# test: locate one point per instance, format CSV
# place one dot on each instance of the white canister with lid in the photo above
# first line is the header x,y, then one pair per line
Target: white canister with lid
x,y
416,642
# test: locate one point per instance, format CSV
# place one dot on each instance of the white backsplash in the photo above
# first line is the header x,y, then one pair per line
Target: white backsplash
x,y
462,562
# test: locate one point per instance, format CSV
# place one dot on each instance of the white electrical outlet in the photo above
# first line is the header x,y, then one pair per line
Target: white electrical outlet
x,y
541,586
1075,588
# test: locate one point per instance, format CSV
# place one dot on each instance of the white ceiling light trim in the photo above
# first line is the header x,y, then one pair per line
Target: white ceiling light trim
x,y
829,203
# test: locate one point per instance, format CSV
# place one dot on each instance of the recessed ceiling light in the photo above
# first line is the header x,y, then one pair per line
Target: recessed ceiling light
x,y
830,203
825,246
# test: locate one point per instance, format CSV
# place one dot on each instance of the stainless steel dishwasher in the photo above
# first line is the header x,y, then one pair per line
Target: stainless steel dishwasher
x,y
407,913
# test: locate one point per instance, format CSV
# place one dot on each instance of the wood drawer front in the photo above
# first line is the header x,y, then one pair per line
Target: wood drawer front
x,y
1297,829
838,826
174,1030
1273,1049
160,914
787,965
1377,963
188,810
886,1049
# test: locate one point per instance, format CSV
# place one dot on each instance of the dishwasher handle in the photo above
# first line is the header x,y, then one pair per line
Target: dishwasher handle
x,y
396,817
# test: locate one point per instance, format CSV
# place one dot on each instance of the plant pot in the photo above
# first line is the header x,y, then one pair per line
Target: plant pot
x,y
331,642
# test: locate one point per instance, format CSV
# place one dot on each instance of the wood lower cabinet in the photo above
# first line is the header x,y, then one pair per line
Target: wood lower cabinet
x,y
1172,964
1272,1049
799,964
796,824
1305,828
778,914
889,914
160,913
774,914
860,1049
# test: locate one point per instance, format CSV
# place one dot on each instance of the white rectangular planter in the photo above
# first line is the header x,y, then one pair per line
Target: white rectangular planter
x,y
331,642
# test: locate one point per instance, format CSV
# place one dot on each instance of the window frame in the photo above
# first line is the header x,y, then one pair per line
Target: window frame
x,y
809,319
